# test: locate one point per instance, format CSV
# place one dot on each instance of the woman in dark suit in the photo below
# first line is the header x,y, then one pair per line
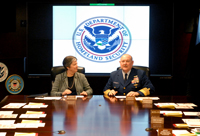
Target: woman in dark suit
x,y
71,82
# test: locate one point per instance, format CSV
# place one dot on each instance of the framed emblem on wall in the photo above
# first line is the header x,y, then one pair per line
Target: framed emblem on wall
x,y
14,84
3,72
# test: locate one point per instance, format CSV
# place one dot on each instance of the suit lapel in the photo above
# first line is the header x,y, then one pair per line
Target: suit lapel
x,y
131,76
120,77
75,79
65,80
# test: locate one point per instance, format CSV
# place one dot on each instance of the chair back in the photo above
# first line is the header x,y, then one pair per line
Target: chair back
x,y
146,69
59,69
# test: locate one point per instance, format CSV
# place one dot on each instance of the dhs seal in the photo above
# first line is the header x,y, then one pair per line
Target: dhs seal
x,y
101,39
14,84
3,72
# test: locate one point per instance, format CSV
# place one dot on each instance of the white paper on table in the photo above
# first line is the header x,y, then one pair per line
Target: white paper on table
x,y
7,126
142,98
183,107
33,122
7,121
48,98
192,122
25,134
26,125
161,112
52,98
14,105
194,125
30,125
35,112
79,96
35,103
8,115
178,132
32,116
6,112
188,113
188,104
35,106
3,133
120,97
17,104
166,103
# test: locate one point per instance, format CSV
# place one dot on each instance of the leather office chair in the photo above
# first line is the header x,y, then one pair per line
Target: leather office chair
x,y
59,69
146,69
54,71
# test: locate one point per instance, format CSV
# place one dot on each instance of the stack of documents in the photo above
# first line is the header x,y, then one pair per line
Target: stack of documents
x,y
176,105
33,114
13,105
192,122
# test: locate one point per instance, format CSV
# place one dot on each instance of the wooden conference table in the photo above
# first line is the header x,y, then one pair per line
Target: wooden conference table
x,y
92,116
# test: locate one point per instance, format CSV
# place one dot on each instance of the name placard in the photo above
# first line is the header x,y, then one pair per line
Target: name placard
x,y
147,101
155,113
130,102
72,97
157,120
165,132
157,126
146,105
71,102
130,98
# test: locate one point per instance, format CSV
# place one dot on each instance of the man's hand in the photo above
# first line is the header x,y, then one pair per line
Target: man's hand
x,y
131,93
112,93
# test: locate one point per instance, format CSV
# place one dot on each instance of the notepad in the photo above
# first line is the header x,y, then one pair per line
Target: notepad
x,y
25,134
120,97
30,124
14,105
142,98
35,105
187,113
192,122
8,115
3,133
48,98
32,116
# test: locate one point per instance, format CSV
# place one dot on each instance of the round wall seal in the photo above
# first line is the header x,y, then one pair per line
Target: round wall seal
x,y
14,84
3,72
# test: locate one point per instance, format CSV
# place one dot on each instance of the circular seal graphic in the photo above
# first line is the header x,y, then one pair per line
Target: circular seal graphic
x,y
3,72
101,39
14,84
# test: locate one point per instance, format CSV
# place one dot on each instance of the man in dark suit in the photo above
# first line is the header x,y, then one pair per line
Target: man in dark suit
x,y
128,81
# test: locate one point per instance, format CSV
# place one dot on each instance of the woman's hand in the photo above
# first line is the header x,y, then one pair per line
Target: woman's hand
x,y
67,91
84,93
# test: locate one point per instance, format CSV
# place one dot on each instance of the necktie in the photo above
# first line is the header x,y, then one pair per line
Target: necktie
x,y
125,78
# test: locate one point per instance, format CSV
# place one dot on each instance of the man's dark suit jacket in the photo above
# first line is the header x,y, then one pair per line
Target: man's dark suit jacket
x,y
137,82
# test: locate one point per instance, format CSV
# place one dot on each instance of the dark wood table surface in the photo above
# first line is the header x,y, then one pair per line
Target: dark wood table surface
x,y
94,116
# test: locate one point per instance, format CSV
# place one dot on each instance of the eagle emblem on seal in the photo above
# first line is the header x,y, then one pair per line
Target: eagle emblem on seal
x,y
102,37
